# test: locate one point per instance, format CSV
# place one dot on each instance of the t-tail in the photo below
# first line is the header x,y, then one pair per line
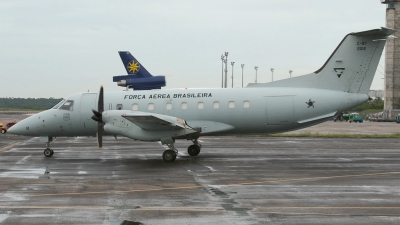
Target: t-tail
x,y
350,68
138,77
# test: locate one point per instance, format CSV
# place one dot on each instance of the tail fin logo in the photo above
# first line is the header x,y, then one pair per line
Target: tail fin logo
x,y
339,71
133,67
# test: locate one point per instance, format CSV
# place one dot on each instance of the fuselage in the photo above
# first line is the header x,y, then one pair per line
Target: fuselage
x,y
215,111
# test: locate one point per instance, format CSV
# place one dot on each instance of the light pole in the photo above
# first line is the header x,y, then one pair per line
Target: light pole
x,y
226,68
242,65
222,59
232,63
290,72
272,70
256,68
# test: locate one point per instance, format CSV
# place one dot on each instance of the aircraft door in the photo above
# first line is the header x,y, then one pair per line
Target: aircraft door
x,y
88,102
280,110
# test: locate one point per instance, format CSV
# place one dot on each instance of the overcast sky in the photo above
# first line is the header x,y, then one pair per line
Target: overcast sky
x,y
56,48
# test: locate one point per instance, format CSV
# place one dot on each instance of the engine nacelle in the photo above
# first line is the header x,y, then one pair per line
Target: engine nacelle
x,y
144,126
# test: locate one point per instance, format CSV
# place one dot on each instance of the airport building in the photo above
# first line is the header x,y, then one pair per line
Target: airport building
x,y
392,60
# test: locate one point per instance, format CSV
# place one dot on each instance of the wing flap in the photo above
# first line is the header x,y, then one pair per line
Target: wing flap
x,y
156,122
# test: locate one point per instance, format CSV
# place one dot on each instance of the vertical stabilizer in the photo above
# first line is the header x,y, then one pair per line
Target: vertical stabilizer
x,y
350,68
132,66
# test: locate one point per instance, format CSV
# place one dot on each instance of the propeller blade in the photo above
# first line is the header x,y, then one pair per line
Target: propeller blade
x,y
100,105
100,128
98,117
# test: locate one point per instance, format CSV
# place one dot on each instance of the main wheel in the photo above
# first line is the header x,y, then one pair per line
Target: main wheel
x,y
193,150
52,152
3,131
47,152
169,156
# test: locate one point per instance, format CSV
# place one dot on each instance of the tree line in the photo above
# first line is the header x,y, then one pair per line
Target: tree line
x,y
376,103
28,103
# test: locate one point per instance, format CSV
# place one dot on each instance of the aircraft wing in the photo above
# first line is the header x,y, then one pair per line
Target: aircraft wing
x,y
156,122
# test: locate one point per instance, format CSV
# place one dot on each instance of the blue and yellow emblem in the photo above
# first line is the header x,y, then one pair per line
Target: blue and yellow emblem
x,y
133,66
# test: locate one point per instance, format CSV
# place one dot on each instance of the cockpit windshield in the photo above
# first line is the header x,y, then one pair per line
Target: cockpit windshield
x,y
68,105
58,104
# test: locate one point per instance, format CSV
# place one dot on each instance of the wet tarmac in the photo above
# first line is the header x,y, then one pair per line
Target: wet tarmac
x,y
234,180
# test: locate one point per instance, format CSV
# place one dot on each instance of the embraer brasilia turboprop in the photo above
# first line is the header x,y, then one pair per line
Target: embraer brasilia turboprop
x,y
165,115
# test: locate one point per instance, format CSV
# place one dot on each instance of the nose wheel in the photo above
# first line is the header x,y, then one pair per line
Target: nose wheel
x,y
48,152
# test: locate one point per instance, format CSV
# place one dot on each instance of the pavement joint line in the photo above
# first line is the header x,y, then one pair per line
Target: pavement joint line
x,y
187,209
213,209
11,145
228,185
56,207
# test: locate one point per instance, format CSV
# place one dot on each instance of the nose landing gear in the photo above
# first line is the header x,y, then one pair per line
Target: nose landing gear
x,y
48,152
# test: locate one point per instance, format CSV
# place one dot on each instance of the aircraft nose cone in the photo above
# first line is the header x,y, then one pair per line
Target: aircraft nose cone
x,y
16,129
11,129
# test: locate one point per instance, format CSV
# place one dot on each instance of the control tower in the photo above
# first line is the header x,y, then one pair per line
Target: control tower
x,y
392,60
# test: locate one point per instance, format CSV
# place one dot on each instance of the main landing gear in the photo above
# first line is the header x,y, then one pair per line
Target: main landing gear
x,y
170,154
194,149
48,152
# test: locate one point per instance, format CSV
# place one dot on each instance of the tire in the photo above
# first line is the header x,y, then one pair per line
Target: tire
x,y
3,131
47,152
193,150
169,156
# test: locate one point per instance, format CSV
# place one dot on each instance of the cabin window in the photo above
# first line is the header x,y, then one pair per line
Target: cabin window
x,y
216,105
200,105
119,107
135,107
150,106
246,104
184,105
231,104
168,106
68,105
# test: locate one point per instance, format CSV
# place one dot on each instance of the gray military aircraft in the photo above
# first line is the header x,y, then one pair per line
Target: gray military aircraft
x,y
165,115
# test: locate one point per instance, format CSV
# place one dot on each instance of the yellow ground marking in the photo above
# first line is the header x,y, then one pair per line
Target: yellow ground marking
x,y
331,207
324,214
228,185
